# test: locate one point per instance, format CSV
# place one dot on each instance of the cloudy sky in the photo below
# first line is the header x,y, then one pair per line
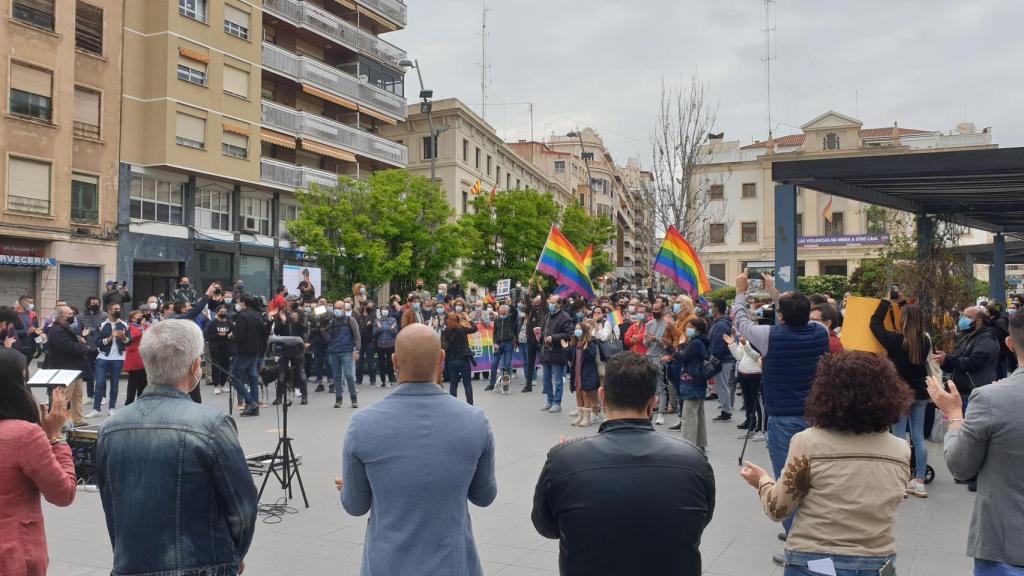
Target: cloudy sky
x,y
926,64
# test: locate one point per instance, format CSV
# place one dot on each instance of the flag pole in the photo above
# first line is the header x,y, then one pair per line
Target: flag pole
x,y
541,255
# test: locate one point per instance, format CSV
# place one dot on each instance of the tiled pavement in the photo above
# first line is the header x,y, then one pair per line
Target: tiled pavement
x,y
931,534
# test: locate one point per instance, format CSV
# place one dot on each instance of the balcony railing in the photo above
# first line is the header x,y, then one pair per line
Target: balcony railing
x,y
295,177
306,125
23,204
391,9
311,71
306,15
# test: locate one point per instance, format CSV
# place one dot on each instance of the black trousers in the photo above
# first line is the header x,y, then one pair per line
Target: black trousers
x,y
384,366
290,372
136,384
751,386
532,350
220,357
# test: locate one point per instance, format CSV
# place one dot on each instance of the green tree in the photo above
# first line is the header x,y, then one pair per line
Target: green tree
x,y
836,285
505,237
583,230
391,227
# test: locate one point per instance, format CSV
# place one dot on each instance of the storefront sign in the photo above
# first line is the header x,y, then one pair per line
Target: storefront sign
x,y
31,261
863,239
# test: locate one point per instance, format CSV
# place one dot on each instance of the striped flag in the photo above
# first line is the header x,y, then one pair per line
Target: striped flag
x,y
679,261
561,261
475,190
827,212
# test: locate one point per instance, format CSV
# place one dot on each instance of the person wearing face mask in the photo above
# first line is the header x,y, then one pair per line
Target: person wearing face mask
x,y
112,340
27,327
248,336
584,379
692,384
343,345
153,306
655,340
505,341
458,356
555,336
132,360
422,292
359,297
437,319
412,314
973,362
385,330
89,322
291,322
185,292
208,506
634,335
66,350
533,322
367,361
116,294
218,338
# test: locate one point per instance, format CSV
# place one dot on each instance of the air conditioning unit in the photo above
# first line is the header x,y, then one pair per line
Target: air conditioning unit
x,y
249,224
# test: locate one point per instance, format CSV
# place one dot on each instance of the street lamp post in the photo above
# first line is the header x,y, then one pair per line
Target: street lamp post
x,y
586,162
426,106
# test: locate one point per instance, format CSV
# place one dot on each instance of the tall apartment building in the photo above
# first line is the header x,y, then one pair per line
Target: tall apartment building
x,y
231,106
738,180
58,148
469,150
637,183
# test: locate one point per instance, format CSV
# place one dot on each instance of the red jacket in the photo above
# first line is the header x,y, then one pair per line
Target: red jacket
x,y
835,345
29,466
132,359
634,338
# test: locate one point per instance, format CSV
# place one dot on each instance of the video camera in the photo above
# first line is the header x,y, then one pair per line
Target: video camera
x,y
292,347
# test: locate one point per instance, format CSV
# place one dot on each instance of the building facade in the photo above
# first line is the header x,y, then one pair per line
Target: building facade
x,y
59,148
739,179
468,151
232,106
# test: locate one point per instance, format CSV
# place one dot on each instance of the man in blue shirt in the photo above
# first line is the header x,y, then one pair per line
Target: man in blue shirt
x,y
413,460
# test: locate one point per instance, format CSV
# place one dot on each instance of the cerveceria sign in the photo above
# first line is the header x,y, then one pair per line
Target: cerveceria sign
x,y
18,256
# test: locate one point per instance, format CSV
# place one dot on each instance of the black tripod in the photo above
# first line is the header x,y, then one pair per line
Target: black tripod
x,y
286,461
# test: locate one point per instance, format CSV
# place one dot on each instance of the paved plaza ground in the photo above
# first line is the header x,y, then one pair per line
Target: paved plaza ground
x,y
931,534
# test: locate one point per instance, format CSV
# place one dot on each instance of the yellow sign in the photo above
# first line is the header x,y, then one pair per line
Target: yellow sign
x,y
856,333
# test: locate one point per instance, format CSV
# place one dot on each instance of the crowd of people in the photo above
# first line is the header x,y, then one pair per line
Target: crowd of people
x,y
834,421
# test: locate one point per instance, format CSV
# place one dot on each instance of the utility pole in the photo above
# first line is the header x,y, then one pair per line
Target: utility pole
x,y
483,64
768,28
531,121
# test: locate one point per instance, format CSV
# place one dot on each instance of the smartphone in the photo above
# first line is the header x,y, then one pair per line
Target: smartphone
x,y
754,277
888,570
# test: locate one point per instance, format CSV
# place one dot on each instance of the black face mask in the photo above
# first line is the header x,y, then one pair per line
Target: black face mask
x,y
295,305
185,286
116,314
94,307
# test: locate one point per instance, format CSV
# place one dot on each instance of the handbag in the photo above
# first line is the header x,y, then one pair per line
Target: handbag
x,y
710,367
608,348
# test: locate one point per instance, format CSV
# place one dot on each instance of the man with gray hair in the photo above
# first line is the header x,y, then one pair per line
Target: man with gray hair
x,y
176,490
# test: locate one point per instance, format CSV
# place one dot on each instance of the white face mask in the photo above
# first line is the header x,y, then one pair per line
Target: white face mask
x,y
152,305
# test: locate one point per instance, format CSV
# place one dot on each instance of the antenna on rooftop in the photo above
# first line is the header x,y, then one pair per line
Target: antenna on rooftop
x,y
768,28
484,66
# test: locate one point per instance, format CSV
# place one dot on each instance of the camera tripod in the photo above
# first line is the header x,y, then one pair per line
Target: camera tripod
x,y
285,460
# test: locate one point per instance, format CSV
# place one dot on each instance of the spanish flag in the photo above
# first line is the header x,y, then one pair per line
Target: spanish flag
x,y
827,212
475,190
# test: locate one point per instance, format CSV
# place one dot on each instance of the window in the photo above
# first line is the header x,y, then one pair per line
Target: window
x,y
465,201
837,268
255,215
465,150
85,199
559,166
38,13
830,141
236,22
598,185
213,208
749,190
156,200
717,270
88,28
518,185
194,9
191,131
289,213
477,159
508,180
28,185
488,164
748,232
799,225
716,192
835,227
382,76
236,82
191,70
428,145
31,92
717,234
234,145
497,175
87,114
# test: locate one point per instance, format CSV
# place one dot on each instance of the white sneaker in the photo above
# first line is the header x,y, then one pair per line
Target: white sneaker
x,y
390,385
93,414
917,489
298,393
660,419
217,390
759,437
113,411
103,402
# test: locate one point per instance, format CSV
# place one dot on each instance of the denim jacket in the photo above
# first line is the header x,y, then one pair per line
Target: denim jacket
x,y
176,490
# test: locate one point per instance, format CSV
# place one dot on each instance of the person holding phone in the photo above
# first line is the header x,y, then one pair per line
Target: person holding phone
x,y
113,339
846,460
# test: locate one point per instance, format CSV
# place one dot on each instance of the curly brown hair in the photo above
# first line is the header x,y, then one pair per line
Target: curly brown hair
x,y
857,392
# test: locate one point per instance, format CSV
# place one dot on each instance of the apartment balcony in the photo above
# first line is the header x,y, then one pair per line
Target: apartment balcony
x,y
294,177
306,15
327,131
313,72
393,10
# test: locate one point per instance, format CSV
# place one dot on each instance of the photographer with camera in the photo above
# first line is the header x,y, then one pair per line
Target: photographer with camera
x,y
291,321
116,294
343,345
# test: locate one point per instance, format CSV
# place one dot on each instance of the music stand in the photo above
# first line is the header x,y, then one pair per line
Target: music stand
x,y
284,452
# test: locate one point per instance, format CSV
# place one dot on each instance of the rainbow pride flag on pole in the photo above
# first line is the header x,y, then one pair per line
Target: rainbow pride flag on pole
x,y
560,260
679,261
588,263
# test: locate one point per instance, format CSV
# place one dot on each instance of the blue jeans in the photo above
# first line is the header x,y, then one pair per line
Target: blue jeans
x,y
344,370
105,369
989,568
781,430
725,387
460,369
503,352
916,421
796,563
321,364
554,372
245,370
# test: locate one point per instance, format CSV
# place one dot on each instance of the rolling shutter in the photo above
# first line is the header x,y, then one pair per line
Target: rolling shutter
x,y
78,283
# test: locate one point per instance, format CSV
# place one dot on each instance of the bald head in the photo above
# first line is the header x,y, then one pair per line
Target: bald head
x,y
418,354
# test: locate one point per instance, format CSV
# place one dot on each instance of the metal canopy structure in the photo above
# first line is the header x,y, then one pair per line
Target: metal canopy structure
x,y
981,188
982,253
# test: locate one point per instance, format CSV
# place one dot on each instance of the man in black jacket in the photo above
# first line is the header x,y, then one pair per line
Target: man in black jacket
x,y
580,496
534,317
558,329
66,350
973,363
248,337
506,335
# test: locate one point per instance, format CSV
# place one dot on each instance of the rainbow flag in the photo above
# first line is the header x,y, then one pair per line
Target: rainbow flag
x,y
616,316
561,261
679,261
588,259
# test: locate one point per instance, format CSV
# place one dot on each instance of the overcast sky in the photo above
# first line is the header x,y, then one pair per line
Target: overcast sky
x,y
600,63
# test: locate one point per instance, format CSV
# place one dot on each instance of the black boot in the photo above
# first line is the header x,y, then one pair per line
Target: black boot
x,y
253,410
489,388
527,388
319,388
743,425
